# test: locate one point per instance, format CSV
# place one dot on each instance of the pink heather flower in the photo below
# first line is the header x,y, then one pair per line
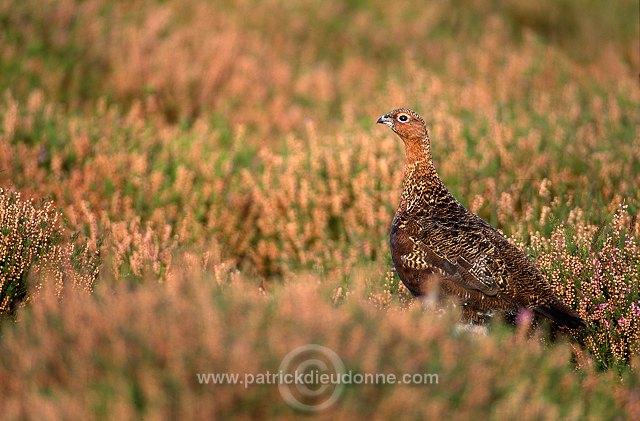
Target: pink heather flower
x,y
524,318
635,308
628,240
622,321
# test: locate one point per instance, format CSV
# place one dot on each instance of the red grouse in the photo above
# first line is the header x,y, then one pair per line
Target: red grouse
x,y
440,248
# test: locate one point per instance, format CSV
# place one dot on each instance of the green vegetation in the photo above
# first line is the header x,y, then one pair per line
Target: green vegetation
x,y
189,188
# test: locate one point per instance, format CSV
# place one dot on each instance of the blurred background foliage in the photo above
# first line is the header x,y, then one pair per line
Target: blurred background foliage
x,y
146,143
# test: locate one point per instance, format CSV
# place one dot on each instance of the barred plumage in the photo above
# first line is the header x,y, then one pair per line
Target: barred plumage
x,y
439,246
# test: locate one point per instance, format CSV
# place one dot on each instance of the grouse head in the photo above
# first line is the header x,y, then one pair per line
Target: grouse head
x,y
412,130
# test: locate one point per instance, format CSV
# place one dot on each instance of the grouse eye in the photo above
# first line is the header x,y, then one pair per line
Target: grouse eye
x,y
403,118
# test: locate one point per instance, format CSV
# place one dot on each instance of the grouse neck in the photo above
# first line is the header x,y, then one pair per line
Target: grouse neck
x,y
418,153
418,150
419,168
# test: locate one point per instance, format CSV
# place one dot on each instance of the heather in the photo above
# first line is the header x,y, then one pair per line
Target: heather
x,y
214,171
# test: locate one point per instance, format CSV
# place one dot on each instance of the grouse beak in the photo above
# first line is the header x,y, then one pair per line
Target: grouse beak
x,y
385,119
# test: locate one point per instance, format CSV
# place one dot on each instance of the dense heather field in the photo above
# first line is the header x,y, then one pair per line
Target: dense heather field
x,y
189,187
